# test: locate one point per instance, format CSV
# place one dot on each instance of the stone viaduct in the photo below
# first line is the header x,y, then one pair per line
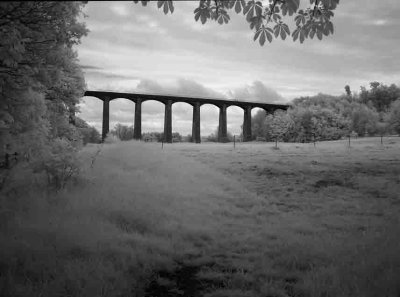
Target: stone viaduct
x,y
106,97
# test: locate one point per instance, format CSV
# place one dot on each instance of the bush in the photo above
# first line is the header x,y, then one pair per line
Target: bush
x,y
111,138
60,163
90,135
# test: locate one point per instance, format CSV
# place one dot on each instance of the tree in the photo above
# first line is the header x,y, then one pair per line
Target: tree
x,y
89,133
379,96
364,120
257,124
123,132
382,129
268,21
40,79
394,116
279,124
213,137
348,91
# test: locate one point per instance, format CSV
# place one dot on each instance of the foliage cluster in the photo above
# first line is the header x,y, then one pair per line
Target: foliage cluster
x,y
123,132
214,137
89,133
269,20
40,80
60,163
325,117
159,136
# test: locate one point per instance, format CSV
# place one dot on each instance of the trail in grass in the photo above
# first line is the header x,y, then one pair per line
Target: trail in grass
x,y
203,214
252,222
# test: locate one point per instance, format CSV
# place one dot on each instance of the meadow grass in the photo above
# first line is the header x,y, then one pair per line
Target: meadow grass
x,y
210,220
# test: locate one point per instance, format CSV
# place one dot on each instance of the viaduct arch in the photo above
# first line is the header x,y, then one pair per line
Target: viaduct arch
x,y
167,100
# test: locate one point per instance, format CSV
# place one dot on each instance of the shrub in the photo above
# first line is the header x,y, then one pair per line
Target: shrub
x,y
111,138
60,163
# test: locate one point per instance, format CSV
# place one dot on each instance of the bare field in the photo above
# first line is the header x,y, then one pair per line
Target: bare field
x,y
210,220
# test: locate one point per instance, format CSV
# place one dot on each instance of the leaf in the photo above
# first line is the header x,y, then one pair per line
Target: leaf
x,y
239,4
256,22
300,19
276,30
312,33
256,35
167,6
286,28
328,28
253,9
319,34
203,12
262,38
283,34
276,17
263,33
223,17
295,34
269,36
302,36
144,3
330,4
290,7
171,6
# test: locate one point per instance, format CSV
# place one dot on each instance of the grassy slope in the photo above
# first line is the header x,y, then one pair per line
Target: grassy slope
x,y
194,220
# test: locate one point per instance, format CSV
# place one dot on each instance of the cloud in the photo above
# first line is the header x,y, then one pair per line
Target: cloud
x,y
98,73
90,67
181,87
119,10
380,22
257,92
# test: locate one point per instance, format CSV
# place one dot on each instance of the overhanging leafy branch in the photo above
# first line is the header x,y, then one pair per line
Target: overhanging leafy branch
x,y
273,17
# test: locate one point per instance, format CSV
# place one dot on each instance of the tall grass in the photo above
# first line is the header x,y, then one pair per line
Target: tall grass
x,y
141,217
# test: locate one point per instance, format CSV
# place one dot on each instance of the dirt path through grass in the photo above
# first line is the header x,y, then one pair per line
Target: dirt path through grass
x,y
253,223
207,220
204,217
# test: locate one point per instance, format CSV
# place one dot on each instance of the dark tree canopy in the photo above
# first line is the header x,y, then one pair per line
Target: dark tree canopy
x,y
270,20
40,78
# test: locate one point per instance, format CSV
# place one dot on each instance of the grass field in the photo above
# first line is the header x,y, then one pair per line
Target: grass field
x,y
211,220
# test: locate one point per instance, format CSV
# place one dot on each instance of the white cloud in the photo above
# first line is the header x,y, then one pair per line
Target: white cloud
x,y
380,22
120,10
258,92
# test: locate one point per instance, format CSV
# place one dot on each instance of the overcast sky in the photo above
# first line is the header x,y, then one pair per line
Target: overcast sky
x,y
139,49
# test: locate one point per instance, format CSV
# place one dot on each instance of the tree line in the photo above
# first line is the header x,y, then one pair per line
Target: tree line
x,y
41,84
374,111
